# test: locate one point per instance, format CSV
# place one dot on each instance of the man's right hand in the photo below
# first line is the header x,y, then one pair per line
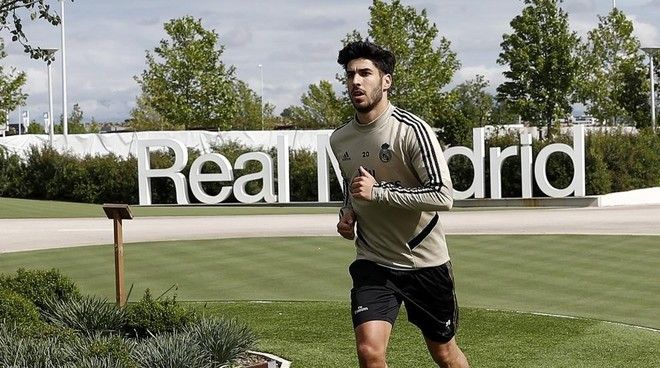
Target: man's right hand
x,y
346,224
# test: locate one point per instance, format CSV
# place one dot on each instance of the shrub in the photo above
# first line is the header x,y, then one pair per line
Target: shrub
x,y
151,316
88,315
223,341
41,286
103,351
171,351
12,171
17,351
17,309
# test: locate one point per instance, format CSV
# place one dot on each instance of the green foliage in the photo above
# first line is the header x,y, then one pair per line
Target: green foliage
x,y
12,171
40,286
75,124
321,108
52,175
35,128
223,341
632,161
250,112
542,63
470,107
145,117
425,63
37,9
99,351
11,82
15,308
150,316
16,351
88,315
614,78
186,81
172,351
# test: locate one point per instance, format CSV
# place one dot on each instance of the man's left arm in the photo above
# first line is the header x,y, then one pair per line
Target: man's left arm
x,y
435,193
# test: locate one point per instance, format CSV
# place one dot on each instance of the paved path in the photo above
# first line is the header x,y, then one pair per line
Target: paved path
x,y
30,234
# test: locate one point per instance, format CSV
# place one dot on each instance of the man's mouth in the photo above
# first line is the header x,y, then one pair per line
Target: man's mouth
x,y
357,93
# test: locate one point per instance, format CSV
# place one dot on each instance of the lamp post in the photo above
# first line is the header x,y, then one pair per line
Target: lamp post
x,y
65,124
51,130
651,51
261,73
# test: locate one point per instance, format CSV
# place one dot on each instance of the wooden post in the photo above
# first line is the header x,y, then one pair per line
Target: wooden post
x,y
118,212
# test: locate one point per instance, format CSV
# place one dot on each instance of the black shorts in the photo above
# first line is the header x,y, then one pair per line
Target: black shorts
x,y
428,294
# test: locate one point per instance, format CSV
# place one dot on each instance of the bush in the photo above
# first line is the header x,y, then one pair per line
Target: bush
x,y
151,316
171,351
88,315
103,351
41,286
17,309
17,351
223,341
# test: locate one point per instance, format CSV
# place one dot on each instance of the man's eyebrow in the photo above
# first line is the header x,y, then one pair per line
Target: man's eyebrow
x,y
360,70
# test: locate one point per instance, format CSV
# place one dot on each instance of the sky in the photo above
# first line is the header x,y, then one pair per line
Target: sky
x,y
295,41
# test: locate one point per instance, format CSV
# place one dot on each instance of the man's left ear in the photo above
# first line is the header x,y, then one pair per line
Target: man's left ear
x,y
387,82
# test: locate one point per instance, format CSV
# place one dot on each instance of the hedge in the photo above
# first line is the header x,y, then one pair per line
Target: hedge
x,y
615,161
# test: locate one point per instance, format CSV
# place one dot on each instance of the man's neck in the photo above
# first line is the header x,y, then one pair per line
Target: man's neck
x,y
364,118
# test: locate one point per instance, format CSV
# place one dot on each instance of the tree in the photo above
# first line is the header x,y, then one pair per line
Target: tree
x,y
186,81
542,61
11,84
145,117
470,107
249,115
425,63
75,122
35,128
321,108
502,113
11,20
614,77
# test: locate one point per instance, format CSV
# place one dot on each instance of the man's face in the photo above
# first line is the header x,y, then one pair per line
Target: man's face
x,y
365,84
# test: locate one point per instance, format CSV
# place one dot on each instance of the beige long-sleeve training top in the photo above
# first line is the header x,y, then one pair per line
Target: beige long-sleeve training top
x,y
400,228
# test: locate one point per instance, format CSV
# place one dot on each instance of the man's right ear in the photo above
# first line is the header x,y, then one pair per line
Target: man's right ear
x,y
387,82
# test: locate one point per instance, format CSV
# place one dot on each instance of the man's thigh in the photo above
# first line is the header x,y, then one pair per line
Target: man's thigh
x,y
431,302
371,299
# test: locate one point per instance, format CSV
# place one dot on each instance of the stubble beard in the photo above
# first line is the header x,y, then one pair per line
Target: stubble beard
x,y
376,96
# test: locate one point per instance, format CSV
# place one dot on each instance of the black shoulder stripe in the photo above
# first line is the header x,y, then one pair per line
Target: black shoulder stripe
x,y
426,146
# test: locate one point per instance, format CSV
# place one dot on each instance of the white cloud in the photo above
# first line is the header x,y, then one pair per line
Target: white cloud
x,y
295,40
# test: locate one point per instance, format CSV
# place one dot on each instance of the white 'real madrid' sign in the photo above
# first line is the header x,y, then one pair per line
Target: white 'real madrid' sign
x,y
225,173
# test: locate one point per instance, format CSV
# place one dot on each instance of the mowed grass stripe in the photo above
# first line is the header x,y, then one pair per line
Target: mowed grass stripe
x,y
602,277
13,208
304,332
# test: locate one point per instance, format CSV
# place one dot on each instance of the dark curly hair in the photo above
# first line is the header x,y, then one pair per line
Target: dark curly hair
x,y
382,58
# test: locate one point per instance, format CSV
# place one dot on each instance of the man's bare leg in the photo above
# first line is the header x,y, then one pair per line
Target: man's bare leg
x,y
447,355
371,339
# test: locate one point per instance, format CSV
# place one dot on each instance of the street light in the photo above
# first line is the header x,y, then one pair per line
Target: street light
x,y
65,124
261,73
651,51
51,130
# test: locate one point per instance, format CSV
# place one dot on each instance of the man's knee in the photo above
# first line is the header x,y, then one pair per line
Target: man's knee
x,y
447,354
371,356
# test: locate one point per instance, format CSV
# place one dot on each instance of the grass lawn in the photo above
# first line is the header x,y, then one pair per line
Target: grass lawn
x,y
302,285
12,208
601,277
319,335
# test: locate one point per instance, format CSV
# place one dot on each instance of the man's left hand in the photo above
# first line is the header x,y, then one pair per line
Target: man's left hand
x,y
362,185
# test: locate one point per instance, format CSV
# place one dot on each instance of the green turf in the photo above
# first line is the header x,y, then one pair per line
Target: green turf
x,y
319,335
600,277
12,208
